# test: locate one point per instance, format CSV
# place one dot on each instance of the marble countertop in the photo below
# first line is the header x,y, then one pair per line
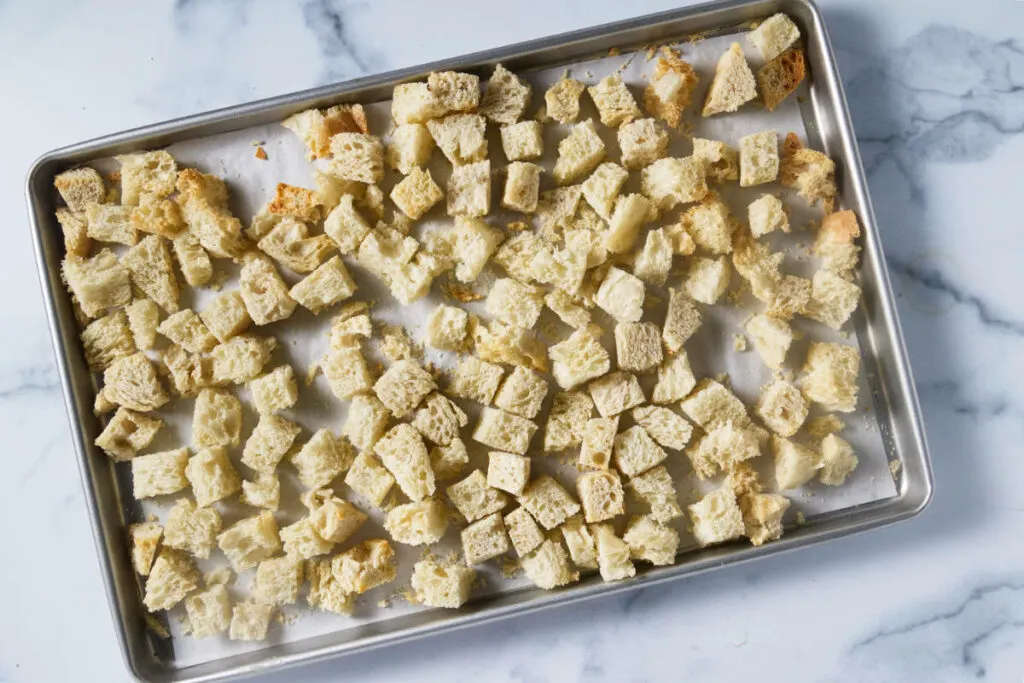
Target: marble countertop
x,y
936,89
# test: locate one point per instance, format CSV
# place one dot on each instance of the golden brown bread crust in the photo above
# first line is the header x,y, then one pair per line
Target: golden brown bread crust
x,y
780,77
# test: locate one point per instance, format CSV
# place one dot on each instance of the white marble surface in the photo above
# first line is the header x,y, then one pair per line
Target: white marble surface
x,y
937,93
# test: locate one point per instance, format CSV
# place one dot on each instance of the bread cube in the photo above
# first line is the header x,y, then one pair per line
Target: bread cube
x,y
403,386
833,299
733,84
449,461
192,259
499,429
404,455
250,541
670,181
711,225
442,585
636,452
514,302
772,338
264,493
275,390
476,380
759,158
127,433
217,230
522,187
152,271
302,541
208,188
217,419
641,142
602,188
143,316
186,329
346,372
270,440
782,407
829,376
419,523
80,187
838,461
192,529
455,91
666,427
290,244
522,141
278,581
325,591
681,321
415,103
241,358
834,243
212,476
654,260
549,566
580,542
366,422
526,536
707,279
621,295
795,464
226,316
297,202
365,566
601,494
774,35
616,393
209,611
762,516
410,147
548,502
567,420
346,226
110,223
264,292
670,88
716,518
638,346
250,621
146,173
357,156
474,499
469,191
612,554
507,472
723,447
711,404
630,214
475,242
172,577
506,97
332,519
97,283
675,380
145,538
439,420
613,100
767,214
159,474
651,541
598,440
562,100
369,478
322,458
579,153
132,382
417,193
75,227
460,137
522,393
484,539
325,286
447,327
565,268
655,488
517,253
720,161
566,308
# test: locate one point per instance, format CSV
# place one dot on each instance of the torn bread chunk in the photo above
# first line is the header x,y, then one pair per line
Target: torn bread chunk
x,y
829,376
759,158
614,102
733,84
147,173
782,407
666,427
671,181
579,153
415,103
449,461
578,359
630,214
711,404
780,77
324,287
477,380
505,431
278,580
217,230
171,579
192,259
675,380
264,492
772,339
716,518
275,390
579,541
833,299
600,492
474,243
264,292
469,190
403,386
297,202
621,295
795,464
315,126
110,223
655,488
602,187
682,320
145,539
455,91
346,372
616,393
707,279
187,329
506,97
322,458
774,35
325,592
132,382
654,260
485,539
419,523
838,461
523,531
345,225
641,142
762,516
651,541
74,225
369,478
710,224
720,161
217,419
670,88
143,319
522,187
333,519
567,309
636,452
417,193
508,472
106,339
522,141
562,100
98,283
366,422
522,393
460,137
226,316
404,454
161,217
80,187
212,476
439,420
189,372
365,566
834,243
474,499
290,244
766,214
442,585
809,172
567,420
409,148
301,541
268,443
613,556
598,441
515,303
127,433
159,474
548,502
447,328
191,528
357,156
250,621
723,447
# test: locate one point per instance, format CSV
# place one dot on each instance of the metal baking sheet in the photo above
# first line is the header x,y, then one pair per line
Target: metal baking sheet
x,y
886,428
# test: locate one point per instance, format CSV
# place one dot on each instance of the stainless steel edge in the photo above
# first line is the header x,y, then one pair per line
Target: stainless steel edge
x,y
897,398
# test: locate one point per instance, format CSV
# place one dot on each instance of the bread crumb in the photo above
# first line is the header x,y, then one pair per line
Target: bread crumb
x,y
509,567
800,519
518,226
739,342
154,626
895,466
312,372
456,291
261,153
614,52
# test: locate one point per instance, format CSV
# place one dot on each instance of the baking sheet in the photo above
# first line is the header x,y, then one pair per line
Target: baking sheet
x,y
303,339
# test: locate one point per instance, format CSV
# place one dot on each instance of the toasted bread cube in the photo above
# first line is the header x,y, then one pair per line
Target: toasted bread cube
x,y
419,523
132,382
346,372
508,472
833,299
616,393
449,461
655,488
474,499
98,283
782,407
298,202
711,225
186,329
670,88
548,502
110,223
820,427
250,541
270,440
455,91
217,230
217,419
172,577
143,318
565,268
209,188
613,557
506,97
461,138
417,193
522,393
733,84
484,539
315,127
772,338
264,493
250,621
475,242
638,346
681,321
346,226
302,541
614,102
410,147
651,541
325,591
264,292
369,478
675,380
522,141
151,173
159,474
598,440
567,309
80,187
716,518
774,35
366,422
567,420
722,448
621,295
275,390
795,464
526,536
322,458
834,243
503,343
192,529
711,405
241,358
780,77
278,581
469,191
636,452
325,286
226,316
290,244
515,303
707,279
642,142
403,386
499,429
829,376
549,566
601,494
189,372
580,542
447,328
762,516
145,538
357,156
579,153
367,565
838,460
522,187
670,181
212,476
669,429
404,455
557,206
562,100
720,161
602,188
193,259
654,260
106,339
442,585
759,158
767,214
439,420
75,227
631,212
209,611
477,380
415,103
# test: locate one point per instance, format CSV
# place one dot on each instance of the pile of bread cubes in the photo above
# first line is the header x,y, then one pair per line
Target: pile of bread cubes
x,y
581,246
